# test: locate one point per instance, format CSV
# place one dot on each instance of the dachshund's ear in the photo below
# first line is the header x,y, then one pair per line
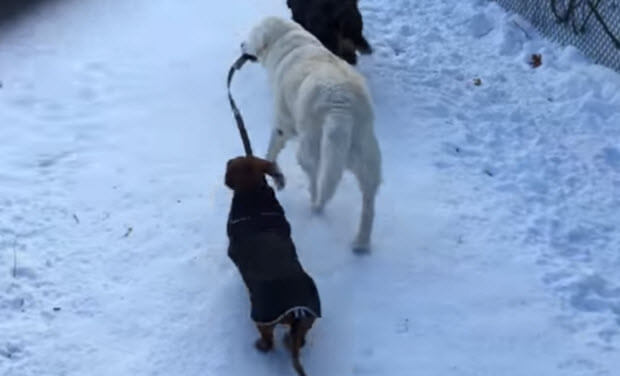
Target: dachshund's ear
x,y
229,180
232,174
272,169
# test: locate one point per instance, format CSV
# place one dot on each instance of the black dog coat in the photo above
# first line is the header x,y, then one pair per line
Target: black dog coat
x,y
262,249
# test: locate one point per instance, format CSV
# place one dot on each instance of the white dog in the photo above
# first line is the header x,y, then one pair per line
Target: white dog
x,y
325,102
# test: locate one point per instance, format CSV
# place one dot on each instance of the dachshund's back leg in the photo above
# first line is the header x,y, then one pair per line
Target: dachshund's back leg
x,y
296,339
265,342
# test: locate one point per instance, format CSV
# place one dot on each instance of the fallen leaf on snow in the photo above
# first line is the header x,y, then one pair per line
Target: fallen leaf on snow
x,y
129,230
536,60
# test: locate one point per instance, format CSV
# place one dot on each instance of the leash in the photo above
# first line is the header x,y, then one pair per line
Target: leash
x,y
240,124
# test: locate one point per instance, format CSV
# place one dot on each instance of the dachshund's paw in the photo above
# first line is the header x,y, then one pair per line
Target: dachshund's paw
x,y
263,345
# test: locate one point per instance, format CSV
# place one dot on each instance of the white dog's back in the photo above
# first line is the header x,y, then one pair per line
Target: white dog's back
x,y
326,102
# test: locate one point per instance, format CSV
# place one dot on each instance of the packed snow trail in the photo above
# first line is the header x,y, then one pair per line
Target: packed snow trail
x,y
496,242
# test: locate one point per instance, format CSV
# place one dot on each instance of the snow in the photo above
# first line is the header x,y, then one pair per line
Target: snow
x,y
496,245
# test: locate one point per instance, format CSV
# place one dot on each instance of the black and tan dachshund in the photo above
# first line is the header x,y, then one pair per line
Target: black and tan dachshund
x,y
281,292
337,24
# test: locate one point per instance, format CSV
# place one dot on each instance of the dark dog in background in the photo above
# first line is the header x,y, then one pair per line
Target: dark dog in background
x,y
281,292
336,23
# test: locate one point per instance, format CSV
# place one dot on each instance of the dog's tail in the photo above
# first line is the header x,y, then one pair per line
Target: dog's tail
x,y
335,145
297,339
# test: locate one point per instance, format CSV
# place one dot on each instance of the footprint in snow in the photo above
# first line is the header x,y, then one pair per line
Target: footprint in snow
x,y
480,25
611,157
51,160
93,81
595,294
11,351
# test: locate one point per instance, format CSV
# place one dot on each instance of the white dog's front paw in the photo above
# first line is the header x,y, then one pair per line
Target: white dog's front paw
x,y
280,181
278,178
361,248
361,245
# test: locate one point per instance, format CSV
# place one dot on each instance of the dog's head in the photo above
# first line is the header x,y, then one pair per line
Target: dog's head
x,y
265,34
248,173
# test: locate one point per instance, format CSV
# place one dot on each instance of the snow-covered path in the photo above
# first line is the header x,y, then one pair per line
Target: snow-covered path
x,y
496,244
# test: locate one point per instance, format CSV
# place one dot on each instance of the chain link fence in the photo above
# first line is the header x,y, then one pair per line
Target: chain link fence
x,y
593,26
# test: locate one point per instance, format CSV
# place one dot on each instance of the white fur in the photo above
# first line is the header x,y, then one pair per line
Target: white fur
x,y
325,102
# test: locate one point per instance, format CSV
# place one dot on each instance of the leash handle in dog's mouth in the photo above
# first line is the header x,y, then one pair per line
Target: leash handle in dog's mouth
x,y
238,118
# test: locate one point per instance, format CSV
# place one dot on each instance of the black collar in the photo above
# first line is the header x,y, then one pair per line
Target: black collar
x,y
233,221
261,202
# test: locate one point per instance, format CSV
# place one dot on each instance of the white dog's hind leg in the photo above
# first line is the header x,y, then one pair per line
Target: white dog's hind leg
x,y
368,174
335,145
362,240
308,158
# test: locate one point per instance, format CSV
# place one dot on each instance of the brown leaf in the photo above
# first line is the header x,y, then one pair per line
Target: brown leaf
x,y
536,60
477,81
